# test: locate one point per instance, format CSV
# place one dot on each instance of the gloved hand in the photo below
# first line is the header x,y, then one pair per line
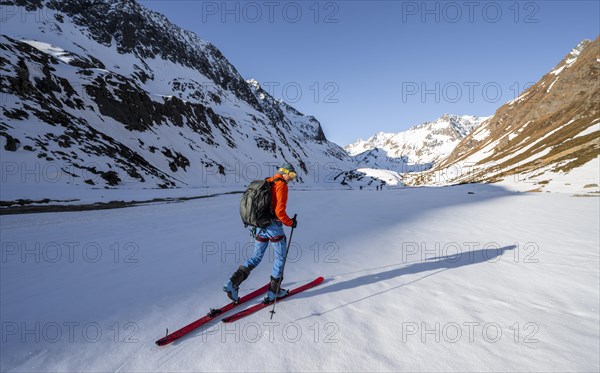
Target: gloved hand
x,y
295,222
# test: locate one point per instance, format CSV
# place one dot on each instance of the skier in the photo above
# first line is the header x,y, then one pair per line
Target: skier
x,y
273,233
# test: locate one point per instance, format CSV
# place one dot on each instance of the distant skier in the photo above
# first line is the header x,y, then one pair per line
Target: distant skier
x,y
272,233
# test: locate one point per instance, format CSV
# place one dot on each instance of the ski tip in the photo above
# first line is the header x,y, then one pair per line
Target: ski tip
x,y
320,279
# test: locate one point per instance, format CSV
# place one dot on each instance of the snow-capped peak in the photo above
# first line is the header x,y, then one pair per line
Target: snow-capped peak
x,y
422,144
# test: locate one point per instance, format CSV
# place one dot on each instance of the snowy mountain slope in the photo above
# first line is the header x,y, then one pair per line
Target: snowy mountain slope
x,y
370,178
517,298
109,94
416,149
541,137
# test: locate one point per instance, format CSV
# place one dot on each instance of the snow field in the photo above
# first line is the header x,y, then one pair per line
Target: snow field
x,y
417,279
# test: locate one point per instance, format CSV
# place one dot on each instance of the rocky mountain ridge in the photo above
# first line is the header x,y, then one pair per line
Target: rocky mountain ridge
x,y
107,93
548,138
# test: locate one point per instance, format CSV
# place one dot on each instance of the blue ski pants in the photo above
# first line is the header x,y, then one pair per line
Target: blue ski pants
x,y
274,234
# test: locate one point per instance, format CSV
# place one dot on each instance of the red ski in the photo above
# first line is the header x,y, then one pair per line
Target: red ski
x,y
260,306
214,313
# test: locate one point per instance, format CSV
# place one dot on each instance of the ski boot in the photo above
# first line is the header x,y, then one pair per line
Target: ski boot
x,y
275,288
232,287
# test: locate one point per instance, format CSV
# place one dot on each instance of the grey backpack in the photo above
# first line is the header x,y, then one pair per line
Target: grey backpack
x,y
255,206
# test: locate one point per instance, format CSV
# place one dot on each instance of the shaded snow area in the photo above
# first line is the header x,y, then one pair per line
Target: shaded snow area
x,y
465,278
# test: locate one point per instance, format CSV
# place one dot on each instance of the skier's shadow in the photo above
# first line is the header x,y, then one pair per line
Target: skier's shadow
x,y
437,264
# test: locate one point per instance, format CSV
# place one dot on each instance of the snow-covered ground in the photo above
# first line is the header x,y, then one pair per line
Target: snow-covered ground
x,y
92,291
583,180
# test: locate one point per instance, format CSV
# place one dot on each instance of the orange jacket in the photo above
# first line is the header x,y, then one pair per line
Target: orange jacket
x,y
279,196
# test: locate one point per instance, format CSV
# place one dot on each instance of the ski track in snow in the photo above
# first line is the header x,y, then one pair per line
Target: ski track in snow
x,y
528,269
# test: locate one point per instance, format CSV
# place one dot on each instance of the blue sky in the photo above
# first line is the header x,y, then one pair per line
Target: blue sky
x,y
362,67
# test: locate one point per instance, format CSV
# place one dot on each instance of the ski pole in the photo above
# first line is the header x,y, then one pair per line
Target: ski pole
x,y
287,250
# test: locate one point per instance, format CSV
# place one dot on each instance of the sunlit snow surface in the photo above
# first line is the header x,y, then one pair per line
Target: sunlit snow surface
x,y
466,278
